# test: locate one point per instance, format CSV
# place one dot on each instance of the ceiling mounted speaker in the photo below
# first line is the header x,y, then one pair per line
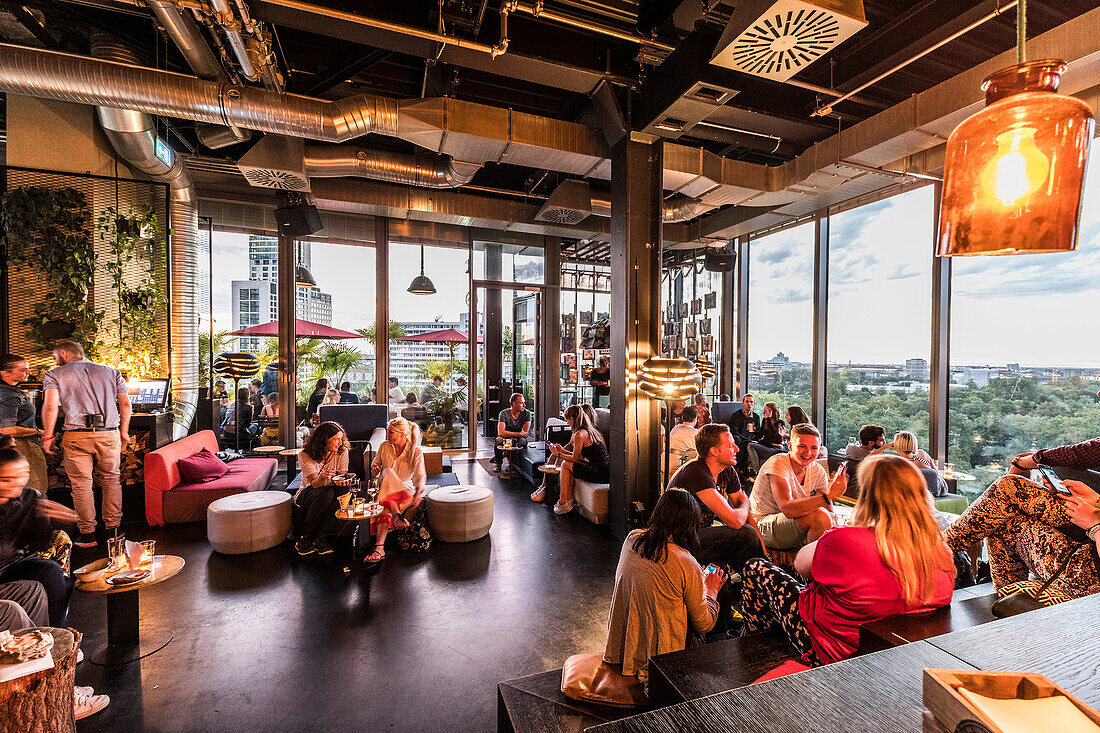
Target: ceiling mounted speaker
x,y
719,260
298,221
776,39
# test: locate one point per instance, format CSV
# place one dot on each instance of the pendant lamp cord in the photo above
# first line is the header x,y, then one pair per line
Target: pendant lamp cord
x,y
1021,31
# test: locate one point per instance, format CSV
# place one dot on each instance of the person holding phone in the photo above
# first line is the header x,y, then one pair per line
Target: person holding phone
x,y
1028,527
661,595
890,559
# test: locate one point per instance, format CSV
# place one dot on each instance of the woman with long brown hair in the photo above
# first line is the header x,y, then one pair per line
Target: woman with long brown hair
x,y
661,594
890,559
324,457
587,460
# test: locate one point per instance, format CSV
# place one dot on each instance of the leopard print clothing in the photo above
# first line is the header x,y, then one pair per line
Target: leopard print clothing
x,y
1018,519
769,596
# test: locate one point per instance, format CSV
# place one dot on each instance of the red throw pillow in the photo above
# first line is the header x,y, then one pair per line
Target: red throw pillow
x,y
202,467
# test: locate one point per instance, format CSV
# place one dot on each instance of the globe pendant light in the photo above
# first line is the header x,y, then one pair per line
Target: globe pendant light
x,y
421,285
668,379
1014,172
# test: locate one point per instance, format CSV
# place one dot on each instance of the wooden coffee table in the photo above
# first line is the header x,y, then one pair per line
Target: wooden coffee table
x,y
125,643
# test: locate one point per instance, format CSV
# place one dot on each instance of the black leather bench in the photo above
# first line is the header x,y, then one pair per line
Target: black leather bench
x,y
969,607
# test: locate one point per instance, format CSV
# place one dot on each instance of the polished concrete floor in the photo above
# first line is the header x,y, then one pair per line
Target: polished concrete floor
x,y
273,642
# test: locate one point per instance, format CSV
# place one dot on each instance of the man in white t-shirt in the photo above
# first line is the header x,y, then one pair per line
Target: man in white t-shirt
x,y
792,499
682,438
396,397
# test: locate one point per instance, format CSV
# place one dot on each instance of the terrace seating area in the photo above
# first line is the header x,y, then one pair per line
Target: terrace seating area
x,y
556,366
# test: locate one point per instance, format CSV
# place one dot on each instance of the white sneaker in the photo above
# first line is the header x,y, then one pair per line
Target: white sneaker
x,y
79,656
538,494
565,508
86,703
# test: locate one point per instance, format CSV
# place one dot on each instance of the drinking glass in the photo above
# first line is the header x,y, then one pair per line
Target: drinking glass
x,y
373,507
148,551
116,551
949,470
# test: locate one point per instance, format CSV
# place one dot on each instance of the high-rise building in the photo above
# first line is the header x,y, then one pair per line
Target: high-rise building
x,y
255,300
916,368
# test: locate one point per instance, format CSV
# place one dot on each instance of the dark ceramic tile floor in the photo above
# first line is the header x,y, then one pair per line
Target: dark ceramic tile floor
x,y
273,642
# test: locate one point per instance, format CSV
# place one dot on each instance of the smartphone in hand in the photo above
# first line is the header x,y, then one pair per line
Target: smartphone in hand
x,y
710,569
1053,482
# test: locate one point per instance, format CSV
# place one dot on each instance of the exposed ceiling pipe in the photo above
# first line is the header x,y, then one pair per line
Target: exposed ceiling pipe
x,y
411,169
232,29
384,25
133,136
539,11
185,33
828,108
675,210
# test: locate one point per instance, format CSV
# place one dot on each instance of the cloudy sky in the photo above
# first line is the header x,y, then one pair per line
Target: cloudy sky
x,y
1024,309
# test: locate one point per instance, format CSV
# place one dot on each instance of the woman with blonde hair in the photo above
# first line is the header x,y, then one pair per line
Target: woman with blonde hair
x,y
890,559
905,445
332,397
587,460
399,469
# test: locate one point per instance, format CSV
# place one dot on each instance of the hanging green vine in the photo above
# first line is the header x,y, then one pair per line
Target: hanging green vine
x,y
45,229
135,235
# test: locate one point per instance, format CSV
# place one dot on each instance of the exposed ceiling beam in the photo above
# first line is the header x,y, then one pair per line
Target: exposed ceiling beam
x,y
355,62
30,21
513,64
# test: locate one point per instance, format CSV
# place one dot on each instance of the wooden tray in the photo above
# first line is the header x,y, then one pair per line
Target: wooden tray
x,y
948,708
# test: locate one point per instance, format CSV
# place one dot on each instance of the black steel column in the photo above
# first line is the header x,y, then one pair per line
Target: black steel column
x,y
820,367
742,318
549,383
494,330
636,171
727,335
381,309
939,374
288,346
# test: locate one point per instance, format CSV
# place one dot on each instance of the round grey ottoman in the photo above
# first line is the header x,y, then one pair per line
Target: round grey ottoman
x,y
248,522
460,513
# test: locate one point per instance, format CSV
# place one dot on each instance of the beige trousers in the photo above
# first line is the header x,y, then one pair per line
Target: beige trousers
x,y
103,452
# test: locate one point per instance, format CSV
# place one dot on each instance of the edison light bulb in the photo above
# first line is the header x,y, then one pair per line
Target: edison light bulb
x,y
1019,168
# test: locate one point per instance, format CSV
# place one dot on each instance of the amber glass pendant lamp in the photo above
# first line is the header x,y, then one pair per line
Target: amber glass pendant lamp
x,y
1014,172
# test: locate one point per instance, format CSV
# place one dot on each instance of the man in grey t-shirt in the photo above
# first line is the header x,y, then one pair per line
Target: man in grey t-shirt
x,y
872,439
97,425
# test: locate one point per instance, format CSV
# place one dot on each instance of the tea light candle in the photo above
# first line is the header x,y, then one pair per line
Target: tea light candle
x,y
149,550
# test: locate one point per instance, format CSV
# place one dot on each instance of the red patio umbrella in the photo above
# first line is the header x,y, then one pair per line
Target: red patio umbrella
x,y
302,329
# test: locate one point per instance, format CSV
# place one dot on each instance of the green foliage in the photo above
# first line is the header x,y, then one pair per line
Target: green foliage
x,y
218,344
135,235
45,229
335,361
395,331
986,425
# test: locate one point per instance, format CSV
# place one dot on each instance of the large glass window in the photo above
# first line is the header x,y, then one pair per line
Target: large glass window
x,y
1024,359
880,318
691,316
585,300
781,313
420,347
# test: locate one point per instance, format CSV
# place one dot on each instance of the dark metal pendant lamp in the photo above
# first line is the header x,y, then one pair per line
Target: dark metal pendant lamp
x,y
421,284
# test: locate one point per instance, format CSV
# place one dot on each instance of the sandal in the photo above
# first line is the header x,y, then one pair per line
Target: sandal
x,y
378,555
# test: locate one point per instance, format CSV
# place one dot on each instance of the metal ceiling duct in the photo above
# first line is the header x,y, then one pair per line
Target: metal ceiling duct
x,y
134,138
776,39
185,33
427,171
573,200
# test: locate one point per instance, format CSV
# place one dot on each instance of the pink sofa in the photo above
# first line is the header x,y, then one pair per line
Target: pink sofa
x,y
169,499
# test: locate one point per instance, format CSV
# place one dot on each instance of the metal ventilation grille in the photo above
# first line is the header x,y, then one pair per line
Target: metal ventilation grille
x,y
787,37
562,215
267,178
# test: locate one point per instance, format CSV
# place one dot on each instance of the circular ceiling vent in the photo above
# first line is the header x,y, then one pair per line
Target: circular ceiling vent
x,y
267,178
562,215
776,40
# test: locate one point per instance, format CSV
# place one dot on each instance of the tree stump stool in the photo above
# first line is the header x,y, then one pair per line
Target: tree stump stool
x,y
42,702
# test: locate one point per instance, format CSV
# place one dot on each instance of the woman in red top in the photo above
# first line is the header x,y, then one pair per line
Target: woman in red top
x,y
891,559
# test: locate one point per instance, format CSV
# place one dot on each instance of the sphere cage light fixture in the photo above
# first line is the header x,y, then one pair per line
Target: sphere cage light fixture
x,y
665,378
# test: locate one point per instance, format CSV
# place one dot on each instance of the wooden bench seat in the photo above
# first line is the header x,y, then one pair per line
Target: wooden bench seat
x,y
724,665
969,607
535,703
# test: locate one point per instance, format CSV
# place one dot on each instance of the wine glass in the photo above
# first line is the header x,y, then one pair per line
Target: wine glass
x,y
373,507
